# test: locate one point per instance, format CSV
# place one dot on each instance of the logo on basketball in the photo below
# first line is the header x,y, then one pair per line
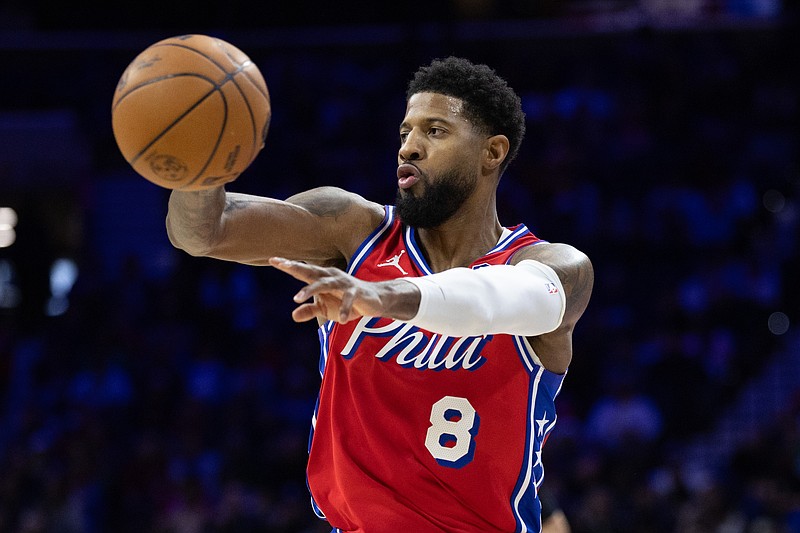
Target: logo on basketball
x,y
167,167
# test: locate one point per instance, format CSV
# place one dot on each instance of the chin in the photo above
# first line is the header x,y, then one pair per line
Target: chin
x,y
403,193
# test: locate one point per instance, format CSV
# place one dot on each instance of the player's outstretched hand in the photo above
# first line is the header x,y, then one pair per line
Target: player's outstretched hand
x,y
341,297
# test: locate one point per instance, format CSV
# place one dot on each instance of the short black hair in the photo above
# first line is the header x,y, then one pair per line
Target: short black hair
x,y
488,100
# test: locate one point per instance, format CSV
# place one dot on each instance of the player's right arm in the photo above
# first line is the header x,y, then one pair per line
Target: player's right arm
x,y
323,226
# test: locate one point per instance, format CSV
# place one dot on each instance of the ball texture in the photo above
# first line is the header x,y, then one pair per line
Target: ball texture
x,y
191,112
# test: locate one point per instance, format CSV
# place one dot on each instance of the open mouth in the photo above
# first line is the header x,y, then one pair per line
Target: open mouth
x,y
407,175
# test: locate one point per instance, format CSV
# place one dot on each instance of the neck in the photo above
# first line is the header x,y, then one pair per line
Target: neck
x,y
466,236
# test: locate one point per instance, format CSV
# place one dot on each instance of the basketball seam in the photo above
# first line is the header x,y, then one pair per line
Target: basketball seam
x,y
229,76
180,117
257,135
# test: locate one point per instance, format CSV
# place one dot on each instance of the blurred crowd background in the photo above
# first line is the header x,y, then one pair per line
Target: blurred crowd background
x,y
145,390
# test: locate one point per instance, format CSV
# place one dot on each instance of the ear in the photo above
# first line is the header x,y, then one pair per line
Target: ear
x,y
496,150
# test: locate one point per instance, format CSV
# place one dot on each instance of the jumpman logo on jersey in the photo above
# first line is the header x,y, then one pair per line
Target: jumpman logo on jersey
x,y
394,262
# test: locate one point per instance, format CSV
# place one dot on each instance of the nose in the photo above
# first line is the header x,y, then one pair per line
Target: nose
x,y
410,150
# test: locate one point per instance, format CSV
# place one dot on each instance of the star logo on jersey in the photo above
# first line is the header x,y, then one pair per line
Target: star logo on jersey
x,y
542,422
394,261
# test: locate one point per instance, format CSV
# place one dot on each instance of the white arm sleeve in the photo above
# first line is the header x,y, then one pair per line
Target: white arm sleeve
x,y
523,299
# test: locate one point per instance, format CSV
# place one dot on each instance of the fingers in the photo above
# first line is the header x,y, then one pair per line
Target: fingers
x,y
301,271
297,269
327,308
328,286
335,293
320,280
346,305
307,312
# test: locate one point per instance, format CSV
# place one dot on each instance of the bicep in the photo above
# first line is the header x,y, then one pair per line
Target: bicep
x,y
574,270
319,226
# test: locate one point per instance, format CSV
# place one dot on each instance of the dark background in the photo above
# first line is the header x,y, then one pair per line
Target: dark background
x,y
145,390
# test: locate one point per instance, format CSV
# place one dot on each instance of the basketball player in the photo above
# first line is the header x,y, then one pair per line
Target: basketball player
x,y
445,336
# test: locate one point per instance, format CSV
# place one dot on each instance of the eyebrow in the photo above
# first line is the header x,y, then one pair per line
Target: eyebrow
x,y
428,121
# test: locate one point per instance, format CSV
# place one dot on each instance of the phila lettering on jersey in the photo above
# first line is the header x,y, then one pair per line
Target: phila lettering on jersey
x,y
416,431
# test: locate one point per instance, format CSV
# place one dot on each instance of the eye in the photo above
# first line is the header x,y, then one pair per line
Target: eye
x,y
435,131
403,136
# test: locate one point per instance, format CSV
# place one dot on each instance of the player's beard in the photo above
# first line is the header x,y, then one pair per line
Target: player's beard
x,y
438,202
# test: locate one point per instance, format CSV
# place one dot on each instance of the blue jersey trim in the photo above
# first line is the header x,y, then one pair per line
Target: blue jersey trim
x,y
323,332
525,503
541,419
504,243
410,239
369,243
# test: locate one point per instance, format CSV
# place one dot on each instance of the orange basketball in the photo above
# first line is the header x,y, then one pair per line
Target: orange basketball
x,y
191,112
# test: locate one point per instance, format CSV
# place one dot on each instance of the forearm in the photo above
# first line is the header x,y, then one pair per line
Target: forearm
x,y
194,219
525,299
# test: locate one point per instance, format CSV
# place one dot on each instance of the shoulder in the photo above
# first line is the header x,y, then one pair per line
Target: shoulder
x,y
574,270
563,258
348,217
336,203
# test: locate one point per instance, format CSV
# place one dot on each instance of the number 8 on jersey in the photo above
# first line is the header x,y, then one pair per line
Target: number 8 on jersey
x,y
451,435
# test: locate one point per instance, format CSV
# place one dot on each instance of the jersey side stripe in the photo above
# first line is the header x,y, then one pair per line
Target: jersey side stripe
x,y
324,332
526,484
317,510
525,347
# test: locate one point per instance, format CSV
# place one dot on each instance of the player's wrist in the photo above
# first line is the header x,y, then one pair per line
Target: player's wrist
x,y
400,299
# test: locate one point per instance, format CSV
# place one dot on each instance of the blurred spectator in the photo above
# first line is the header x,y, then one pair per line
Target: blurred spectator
x,y
625,416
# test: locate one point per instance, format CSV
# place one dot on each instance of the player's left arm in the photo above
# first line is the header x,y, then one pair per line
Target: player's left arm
x,y
541,295
576,275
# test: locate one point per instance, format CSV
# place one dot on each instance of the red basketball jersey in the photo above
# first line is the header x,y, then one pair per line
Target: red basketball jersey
x,y
420,432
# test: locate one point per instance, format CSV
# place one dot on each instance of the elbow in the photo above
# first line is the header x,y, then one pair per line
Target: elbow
x,y
550,326
194,220
190,242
